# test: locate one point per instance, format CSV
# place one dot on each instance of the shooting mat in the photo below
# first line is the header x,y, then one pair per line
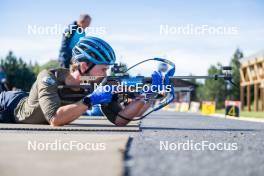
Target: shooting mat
x,y
84,123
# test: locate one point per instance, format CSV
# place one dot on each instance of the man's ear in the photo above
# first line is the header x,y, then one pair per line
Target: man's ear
x,y
83,67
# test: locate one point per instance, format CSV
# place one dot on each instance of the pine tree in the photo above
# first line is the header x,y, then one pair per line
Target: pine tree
x,y
19,74
213,90
234,91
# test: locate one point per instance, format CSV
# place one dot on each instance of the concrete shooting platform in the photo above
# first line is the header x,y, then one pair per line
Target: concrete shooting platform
x,y
17,158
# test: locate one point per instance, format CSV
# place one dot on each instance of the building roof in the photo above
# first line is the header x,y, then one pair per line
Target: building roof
x,y
257,55
182,83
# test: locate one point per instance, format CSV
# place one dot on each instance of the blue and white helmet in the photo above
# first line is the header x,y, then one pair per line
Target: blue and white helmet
x,y
93,50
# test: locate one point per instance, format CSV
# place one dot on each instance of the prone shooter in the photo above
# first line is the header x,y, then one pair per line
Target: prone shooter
x,y
46,102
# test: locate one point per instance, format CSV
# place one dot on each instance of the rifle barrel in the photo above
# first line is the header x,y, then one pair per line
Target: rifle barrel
x,y
148,79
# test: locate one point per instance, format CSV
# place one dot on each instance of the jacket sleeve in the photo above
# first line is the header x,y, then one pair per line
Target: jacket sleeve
x,y
65,51
48,97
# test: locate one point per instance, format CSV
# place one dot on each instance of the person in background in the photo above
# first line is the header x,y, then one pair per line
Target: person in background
x,y
3,79
70,37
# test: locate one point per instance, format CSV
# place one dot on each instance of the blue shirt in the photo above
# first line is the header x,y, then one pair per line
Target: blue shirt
x,y
2,76
75,38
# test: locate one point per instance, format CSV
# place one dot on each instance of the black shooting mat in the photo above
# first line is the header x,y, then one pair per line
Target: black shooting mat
x,y
84,123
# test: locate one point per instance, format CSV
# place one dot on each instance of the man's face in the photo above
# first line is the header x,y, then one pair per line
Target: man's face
x,y
99,70
85,23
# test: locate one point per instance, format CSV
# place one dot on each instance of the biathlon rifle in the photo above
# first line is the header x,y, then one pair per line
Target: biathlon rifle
x,y
122,78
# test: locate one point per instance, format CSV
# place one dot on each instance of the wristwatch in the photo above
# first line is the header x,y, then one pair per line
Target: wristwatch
x,y
87,101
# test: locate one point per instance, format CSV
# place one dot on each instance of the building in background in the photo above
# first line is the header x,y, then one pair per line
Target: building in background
x,y
184,91
252,80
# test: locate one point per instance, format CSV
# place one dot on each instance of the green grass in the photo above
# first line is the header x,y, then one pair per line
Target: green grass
x,y
245,113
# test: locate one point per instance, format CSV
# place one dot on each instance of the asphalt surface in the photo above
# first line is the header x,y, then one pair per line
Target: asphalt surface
x,y
242,143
